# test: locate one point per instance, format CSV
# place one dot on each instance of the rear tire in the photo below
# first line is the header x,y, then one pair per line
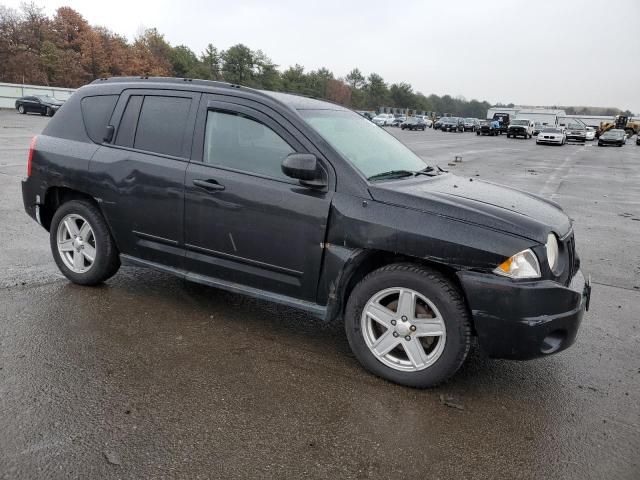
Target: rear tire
x,y
434,317
79,229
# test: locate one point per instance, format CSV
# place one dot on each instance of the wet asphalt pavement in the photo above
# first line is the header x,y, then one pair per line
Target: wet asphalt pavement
x,y
149,376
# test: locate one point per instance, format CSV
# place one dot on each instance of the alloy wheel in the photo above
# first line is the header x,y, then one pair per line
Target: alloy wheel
x,y
403,329
76,243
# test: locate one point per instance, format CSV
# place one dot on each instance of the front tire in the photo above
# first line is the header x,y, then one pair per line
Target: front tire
x,y
21,109
409,325
82,245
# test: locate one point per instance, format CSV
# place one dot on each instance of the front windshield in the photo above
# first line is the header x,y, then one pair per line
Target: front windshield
x,y
367,147
520,122
551,130
614,133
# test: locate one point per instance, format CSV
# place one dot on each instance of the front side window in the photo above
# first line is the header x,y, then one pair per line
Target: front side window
x,y
241,143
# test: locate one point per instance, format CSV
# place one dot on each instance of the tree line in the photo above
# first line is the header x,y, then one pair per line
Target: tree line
x,y
66,51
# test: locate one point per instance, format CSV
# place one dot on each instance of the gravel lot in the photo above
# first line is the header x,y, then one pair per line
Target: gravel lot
x,y
152,377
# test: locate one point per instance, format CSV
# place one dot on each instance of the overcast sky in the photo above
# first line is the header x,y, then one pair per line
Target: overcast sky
x,y
538,52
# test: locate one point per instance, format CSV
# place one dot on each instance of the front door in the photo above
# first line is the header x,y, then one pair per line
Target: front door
x,y
245,221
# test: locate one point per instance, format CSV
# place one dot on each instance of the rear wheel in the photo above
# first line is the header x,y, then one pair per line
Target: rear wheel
x,y
408,324
82,245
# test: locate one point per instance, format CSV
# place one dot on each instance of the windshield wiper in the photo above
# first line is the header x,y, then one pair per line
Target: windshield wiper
x,y
429,171
392,174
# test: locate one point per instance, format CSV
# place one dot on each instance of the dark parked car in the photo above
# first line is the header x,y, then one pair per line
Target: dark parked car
x,y
452,124
42,104
413,124
488,127
614,136
437,124
537,128
576,132
470,124
305,203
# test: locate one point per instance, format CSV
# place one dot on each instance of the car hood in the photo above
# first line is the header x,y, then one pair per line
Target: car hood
x,y
479,202
518,126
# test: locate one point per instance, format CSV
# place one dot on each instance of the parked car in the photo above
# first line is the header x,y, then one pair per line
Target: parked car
x,y
366,114
470,124
537,128
590,134
438,124
413,123
426,120
42,104
615,136
576,132
638,139
397,121
489,127
383,119
305,203
520,127
552,136
452,124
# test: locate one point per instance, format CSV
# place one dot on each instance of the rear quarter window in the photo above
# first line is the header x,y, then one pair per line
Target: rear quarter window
x,y
96,114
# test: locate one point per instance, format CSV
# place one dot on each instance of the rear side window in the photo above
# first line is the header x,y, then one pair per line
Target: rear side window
x,y
161,125
129,122
240,143
96,113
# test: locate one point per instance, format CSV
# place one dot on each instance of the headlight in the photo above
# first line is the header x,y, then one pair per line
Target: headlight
x,y
522,265
552,251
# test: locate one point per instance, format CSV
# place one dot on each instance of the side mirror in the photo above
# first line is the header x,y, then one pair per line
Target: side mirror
x,y
108,133
304,167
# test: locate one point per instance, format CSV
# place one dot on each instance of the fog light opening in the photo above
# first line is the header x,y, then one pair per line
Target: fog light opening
x,y
553,341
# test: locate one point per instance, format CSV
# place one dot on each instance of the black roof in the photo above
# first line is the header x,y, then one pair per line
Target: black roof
x,y
296,102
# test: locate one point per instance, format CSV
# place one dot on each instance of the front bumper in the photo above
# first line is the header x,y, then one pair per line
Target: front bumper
x,y
521,320
543,139
577,137
516,132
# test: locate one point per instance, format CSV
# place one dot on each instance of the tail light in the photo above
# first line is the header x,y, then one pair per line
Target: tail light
x,y
32,148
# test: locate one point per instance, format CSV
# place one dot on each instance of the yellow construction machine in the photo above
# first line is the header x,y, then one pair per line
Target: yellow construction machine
x,y
621,122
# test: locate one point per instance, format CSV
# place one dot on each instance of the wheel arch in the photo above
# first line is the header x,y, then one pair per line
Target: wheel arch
x,y
364,261
56,196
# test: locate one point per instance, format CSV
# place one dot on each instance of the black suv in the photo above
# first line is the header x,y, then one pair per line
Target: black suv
x,y
307,204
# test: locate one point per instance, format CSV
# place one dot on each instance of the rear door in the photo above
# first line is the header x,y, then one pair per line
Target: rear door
x,y
140,174
245,221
